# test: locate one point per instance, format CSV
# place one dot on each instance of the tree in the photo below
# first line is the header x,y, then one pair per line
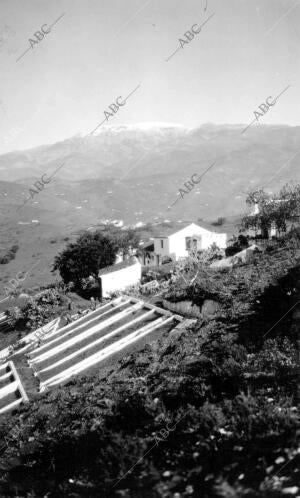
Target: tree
x,y
288,206
85,257
273,210
125,240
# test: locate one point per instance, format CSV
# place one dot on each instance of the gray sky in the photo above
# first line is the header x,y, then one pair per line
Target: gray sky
x,y
102,49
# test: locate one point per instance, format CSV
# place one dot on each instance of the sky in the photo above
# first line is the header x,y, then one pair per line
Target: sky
x,y
101,50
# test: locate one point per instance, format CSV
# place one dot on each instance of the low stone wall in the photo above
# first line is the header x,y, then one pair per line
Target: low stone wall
x,y
188,308
183,307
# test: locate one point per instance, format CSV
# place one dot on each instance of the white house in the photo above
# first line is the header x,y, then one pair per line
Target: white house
x,y
119,276
176,244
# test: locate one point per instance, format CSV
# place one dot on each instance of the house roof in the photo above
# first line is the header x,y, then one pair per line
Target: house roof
x,y
174,228
117,266
166,232
147,246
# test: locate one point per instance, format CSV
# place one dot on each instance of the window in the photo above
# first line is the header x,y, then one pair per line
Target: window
x,y
187,243
191,243
162,244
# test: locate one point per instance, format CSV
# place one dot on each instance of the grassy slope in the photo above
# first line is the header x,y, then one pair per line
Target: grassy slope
x,y
222,396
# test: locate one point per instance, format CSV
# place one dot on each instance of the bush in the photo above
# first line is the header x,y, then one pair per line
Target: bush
x,y
243,241
14,248
277,356
10,255
37,311
238,245
232,250
85,257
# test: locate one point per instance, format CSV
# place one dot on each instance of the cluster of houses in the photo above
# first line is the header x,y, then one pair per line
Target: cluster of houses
x,y
169,246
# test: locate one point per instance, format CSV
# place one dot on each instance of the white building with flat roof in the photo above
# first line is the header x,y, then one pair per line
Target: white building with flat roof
x,y
119,276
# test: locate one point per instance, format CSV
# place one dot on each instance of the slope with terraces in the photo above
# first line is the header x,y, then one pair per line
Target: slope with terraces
x,y
51,356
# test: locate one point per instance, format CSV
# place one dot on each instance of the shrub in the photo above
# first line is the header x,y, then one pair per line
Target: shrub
x,y
14,248
232,250
238,245
85,257
277,356
10,255
37,311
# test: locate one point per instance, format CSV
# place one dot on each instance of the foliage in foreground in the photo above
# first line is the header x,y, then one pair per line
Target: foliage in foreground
x,y
202,412
39,309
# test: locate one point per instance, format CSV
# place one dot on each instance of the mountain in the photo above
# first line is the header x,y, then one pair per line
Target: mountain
x,y
140,167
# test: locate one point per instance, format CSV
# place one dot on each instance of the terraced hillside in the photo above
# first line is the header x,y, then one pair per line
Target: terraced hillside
x,y
52,355
206,410
95,338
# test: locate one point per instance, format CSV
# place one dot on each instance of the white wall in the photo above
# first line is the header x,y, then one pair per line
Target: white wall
x,y
177,241
162,251
220,239
121,279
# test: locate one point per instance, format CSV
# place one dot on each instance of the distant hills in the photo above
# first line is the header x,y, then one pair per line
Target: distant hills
x,y
154,150
134,173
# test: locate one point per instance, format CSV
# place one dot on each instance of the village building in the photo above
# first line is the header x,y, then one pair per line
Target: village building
x,y
146,253
174,244
119,276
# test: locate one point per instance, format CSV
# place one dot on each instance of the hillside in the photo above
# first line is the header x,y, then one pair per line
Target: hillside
x,y
208,411
134,173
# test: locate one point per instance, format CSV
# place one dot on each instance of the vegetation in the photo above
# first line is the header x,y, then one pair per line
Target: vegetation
x,y
37,311
85,257
275,211
10,255
81,261
125,240
237,244
209,410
